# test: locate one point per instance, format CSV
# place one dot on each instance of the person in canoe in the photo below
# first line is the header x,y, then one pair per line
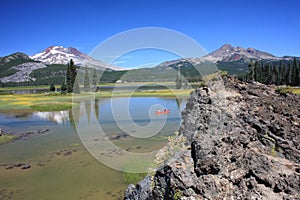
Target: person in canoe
x,y
165,111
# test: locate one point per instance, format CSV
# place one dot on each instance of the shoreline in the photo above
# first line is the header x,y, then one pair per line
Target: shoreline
x,y
26,101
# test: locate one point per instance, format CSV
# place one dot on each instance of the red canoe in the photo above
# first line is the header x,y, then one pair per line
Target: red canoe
x,y
159,112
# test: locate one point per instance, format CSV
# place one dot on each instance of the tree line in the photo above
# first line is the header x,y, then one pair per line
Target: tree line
x,y
71,85
274,73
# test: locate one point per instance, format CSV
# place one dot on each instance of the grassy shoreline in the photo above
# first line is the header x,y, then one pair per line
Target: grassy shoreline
x,y
99,85
56,101
49,102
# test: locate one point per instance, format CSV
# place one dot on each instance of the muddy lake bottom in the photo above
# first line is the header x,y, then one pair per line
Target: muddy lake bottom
x,y
61,165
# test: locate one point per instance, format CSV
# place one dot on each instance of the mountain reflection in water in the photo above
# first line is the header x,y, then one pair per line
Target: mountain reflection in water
x,y
59,117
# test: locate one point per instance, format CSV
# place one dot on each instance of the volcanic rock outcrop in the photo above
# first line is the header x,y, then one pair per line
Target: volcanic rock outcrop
x,y
244,143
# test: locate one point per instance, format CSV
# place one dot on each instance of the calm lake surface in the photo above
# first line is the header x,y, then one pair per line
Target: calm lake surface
x,y
61,165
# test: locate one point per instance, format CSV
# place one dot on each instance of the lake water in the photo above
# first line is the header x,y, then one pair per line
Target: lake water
x,y
69,164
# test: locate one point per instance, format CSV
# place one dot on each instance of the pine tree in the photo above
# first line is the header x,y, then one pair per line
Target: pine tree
x,y
63,88
268,74
94,80
52,88
299,73
251,71
295,74
68,80
262,73
279,77
178,80
256,72
73,72
283,81
275,76
287,76
86,83
71,77
297,78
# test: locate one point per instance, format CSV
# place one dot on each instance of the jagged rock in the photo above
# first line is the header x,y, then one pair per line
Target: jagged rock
x,y
141,191
245,144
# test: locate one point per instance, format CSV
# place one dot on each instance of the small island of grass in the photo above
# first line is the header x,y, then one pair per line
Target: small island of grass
x,y
4,138
53,106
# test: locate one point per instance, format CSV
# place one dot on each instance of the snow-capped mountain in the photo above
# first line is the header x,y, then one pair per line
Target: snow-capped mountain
x,y
228,53
62,55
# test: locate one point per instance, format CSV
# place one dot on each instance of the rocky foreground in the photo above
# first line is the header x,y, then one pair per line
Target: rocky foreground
x,y
244,143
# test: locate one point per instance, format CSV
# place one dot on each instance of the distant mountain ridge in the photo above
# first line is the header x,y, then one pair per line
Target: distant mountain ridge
x,y
49,66
229,53
234,60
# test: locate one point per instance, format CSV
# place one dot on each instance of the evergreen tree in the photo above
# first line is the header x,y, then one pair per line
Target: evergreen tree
x,y
287,76
297,77
268,74
52,88
71,77
73,72
86,83
63,88
283,81
299,73
68,80
279,77
275,75
257,72
262,73
178,80
251,71
94,80
295,74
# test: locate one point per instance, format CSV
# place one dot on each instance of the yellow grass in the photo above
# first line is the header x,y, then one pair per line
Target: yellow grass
x,y
296,90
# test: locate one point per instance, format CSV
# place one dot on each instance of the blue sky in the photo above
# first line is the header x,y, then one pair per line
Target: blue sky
x,y
31,26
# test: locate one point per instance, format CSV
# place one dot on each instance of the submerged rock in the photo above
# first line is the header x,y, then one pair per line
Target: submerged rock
x,y
26,166
245,144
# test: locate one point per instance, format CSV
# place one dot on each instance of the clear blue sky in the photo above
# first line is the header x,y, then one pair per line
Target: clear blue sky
x,y
30,26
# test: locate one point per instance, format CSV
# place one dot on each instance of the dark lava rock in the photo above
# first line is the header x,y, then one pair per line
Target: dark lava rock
x,y
67,153
141,191
244,144
9,167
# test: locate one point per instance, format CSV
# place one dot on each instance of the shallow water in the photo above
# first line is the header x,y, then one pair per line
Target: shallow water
x,y
61,166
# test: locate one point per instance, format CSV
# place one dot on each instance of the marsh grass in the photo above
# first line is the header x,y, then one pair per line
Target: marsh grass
x,y
6,138
296,91
130,167
54,102
288,89
53,106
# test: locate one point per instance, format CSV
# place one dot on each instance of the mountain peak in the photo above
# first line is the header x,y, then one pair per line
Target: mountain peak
x,y
62,55
226,46
229,53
